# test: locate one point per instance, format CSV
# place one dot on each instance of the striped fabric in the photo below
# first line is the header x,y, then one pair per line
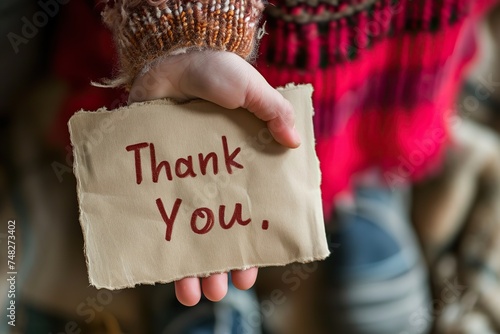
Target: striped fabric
x,y
385,75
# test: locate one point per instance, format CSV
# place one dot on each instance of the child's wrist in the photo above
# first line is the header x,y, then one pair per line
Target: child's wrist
x,y
150,84
146,30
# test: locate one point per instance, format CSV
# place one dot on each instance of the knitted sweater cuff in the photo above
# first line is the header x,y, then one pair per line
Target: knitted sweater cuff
x,y
145,30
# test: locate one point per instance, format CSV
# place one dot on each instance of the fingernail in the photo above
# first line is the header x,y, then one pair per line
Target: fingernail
x,y
295,136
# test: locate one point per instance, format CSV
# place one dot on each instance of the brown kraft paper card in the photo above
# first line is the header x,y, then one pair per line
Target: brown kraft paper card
x,y
168,191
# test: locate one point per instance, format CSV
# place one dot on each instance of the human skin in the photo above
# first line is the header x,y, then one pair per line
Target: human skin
x,y
229,81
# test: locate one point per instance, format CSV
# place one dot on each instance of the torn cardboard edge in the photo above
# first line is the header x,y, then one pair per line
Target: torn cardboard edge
x,y
85,220
171,102
207,274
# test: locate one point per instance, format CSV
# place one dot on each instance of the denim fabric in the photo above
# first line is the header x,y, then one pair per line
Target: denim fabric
x,y
237,313
377,279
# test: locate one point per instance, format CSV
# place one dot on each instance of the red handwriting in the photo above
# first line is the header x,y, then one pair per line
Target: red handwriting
x,y
168,220
229,158
203,219
202,213
184,166
235,218
204,162
137,156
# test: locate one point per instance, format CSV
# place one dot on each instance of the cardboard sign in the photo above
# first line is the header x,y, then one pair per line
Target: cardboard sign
x,y
168,191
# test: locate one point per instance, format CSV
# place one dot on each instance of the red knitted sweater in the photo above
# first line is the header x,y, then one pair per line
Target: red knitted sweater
x,y
385,72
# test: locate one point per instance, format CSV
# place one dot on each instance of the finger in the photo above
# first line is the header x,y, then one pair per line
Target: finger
x,y
215,286
244,279
238,84
187,291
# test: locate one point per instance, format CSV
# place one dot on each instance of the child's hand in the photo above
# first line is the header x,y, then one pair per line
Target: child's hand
x,y
229,81
224,79
214,287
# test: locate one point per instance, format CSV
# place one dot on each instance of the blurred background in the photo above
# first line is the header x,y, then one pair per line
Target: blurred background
x,y
51,51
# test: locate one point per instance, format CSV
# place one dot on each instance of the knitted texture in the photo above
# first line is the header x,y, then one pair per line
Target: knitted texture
x,y
145,30
385,76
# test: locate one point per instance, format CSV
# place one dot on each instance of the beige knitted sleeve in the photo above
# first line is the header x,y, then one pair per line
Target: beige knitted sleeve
x,y
145,30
